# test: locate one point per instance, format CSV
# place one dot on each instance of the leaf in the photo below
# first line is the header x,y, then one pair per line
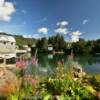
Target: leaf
x,y
91,90
77,97
14,97
47,97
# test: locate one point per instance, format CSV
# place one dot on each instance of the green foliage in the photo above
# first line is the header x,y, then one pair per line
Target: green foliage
x,y
20,72
59,44
96,83
86,47
64,89
20,41
42,44
61,86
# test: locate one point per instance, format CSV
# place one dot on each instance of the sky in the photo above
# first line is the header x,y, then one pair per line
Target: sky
x,y
73,19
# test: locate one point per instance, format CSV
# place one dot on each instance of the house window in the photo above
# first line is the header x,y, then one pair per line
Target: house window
x,y
10,61
12,43
1,61
4,42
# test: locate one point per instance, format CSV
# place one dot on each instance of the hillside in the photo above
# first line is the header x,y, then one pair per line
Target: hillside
x,y
20,40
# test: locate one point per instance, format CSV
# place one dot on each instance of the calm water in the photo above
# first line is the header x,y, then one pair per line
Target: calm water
x,y
90,64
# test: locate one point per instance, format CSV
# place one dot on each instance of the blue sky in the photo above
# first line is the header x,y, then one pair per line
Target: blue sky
x,y
38,18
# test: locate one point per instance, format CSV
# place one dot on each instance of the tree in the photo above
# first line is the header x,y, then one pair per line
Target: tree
x,y
42,44
58,42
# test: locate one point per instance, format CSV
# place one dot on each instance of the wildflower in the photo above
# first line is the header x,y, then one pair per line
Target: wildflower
x,y
33,81
18,64
21,64
34,61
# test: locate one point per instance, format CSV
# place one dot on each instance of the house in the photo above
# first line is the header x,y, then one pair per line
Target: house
x,y
7,50
50,47
27,48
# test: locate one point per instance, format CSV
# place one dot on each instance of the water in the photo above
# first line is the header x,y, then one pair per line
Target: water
x,y
89,63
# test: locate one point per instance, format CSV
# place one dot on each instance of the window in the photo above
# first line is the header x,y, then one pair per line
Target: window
x,y
12,43
1,61
11,61
4,42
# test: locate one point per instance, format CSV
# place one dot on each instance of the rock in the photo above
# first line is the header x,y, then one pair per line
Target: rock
x,y
78,71
8,82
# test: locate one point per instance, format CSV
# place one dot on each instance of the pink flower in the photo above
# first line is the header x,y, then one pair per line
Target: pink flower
x,y
34,61
21,64
33,81
18,64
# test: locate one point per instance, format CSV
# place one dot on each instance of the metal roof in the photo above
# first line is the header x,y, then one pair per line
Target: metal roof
x,y
7,38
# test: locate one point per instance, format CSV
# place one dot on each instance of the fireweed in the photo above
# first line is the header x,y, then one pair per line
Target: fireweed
x,y
23,65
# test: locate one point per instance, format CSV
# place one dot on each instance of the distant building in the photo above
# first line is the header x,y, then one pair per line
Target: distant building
x,y
27,48
50,47
23,50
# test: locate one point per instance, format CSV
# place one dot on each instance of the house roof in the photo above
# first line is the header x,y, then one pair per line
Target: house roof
x,y
7,38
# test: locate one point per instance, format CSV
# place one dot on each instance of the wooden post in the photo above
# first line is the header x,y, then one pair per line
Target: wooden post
x,y
4,62
35,53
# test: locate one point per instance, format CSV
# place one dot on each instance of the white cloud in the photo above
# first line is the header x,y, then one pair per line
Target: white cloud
x,y
84,21
76,35
61,30
62,23
75,38
43,30
6,10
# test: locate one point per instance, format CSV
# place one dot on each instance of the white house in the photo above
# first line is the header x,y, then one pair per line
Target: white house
x,y
7,49
50,47
27,48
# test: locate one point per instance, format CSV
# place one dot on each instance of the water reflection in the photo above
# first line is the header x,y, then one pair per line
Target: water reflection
x,y
48,63
50,56
45,61
90,64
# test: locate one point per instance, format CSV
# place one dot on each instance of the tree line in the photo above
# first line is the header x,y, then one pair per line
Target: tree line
x,y
59,44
